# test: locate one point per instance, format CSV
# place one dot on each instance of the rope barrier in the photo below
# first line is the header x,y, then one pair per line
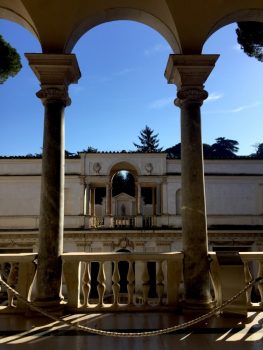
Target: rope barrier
x,y
130,334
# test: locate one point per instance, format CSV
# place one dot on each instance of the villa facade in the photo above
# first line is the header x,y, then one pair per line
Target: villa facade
x,y
149,220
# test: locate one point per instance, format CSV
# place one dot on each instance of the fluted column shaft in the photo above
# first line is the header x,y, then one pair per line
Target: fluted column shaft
x,y
55,73
189,74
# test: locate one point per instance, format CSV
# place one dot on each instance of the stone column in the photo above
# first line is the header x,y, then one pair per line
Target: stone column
x,y
92,201
55,72
108,199
87,199
153,201
138,198
189,72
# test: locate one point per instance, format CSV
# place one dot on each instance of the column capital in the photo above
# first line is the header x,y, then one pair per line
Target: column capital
x,y
54,94
55,73
189,73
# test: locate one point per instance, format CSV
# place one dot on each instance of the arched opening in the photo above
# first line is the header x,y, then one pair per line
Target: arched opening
x,y
234,93
167,30
129,70
124,198
123,182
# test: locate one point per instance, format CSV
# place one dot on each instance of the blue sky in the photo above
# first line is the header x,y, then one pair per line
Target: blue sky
x,y
123,88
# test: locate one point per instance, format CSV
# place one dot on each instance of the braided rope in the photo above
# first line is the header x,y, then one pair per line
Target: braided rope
x,y
135,334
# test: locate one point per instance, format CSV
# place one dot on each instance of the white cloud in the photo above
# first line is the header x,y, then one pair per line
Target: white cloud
x,y
156,49
242,108
214,96
161,103
236,109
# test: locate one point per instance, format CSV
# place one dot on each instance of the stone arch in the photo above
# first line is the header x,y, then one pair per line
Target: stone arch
x,y
15,12
124,166
237,16
122,13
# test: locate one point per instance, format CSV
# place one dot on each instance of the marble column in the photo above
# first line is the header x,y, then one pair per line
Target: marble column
x,y
92,200
189,73
108,199
55,72
138,198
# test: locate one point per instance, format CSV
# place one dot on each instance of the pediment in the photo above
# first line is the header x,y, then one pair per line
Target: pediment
x,y
123,196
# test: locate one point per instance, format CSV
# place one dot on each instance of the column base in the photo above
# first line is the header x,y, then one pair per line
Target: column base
x,y
198,306
53,307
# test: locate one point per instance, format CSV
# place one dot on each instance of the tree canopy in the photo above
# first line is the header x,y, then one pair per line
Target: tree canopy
x,y
222,148
10,63
250,37
149,141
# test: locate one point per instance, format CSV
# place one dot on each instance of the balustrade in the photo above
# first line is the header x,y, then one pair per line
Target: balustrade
x,y
167,281
18,270
124,221
253,267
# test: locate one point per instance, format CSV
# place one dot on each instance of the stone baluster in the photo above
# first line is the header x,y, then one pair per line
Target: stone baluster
x,y
116,285
130,286
101,283
189,73
248,278
55,73
86,287
159,280
260,284
12,281
145,283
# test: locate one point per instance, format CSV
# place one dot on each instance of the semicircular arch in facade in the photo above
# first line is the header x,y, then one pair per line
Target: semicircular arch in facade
x,y
247,15
123,13
126,166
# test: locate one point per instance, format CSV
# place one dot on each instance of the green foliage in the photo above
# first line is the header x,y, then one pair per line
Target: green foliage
x,y
90,149
10,63
149,142
259,152
250,37
174,152
224,148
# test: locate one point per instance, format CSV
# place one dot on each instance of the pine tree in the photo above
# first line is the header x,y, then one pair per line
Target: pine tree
x,y
10,63
149,141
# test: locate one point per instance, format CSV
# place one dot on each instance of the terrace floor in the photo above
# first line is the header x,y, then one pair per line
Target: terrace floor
x,y
215,333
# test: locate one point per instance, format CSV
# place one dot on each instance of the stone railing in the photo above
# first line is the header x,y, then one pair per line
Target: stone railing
x,y
232,275
123,221
96,221
149,221
18,270
122,281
